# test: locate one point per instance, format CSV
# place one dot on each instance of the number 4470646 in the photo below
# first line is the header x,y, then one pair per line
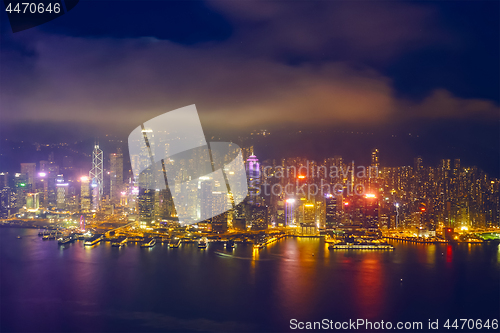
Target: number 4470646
x,y
31,7
472,324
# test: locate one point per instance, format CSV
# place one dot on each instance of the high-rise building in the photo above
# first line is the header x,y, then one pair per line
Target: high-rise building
x,y
290,207
48,174
308,212
370,211
259,217
4,179
6,207
332,212
206,198
62,190
308,225
116,176
32,202
96,175
418,164
21,189
445,164
253,175
85,194
5,202
219,223
29,170
375,158
166,206
146,206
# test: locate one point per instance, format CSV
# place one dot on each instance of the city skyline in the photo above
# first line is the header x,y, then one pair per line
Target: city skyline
x,y
249,166
447,195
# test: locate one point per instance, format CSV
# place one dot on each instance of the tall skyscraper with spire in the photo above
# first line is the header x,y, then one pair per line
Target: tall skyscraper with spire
x,y
96,176
253,175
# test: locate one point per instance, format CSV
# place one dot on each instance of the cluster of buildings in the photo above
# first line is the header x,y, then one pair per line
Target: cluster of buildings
x,y
311,197
372,197
48,189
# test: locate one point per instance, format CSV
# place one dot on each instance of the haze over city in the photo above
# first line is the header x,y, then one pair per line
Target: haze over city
x,y
251,166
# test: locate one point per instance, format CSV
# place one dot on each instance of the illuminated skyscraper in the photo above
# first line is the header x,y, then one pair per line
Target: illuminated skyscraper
x,y
29,170
332,212
289,211
219,223
259,217
4,179
370,211
62,189
146,206
308,225
85,194
253,174
96,176
116,176
32,202
375,158
21,189
445,164
5,195
205,198
309,213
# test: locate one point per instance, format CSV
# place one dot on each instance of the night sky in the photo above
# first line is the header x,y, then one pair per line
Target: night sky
x,y
389,68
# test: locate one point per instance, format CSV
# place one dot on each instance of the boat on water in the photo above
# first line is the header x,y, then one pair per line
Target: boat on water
x,y
263,242
348,246
120,243
202,243
149,243
19,237
175,243
93,240
259,245
230,244
65,240
79,236
51,237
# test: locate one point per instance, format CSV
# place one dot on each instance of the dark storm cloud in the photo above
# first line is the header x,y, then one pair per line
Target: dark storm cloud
x,y
310,63
335,30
